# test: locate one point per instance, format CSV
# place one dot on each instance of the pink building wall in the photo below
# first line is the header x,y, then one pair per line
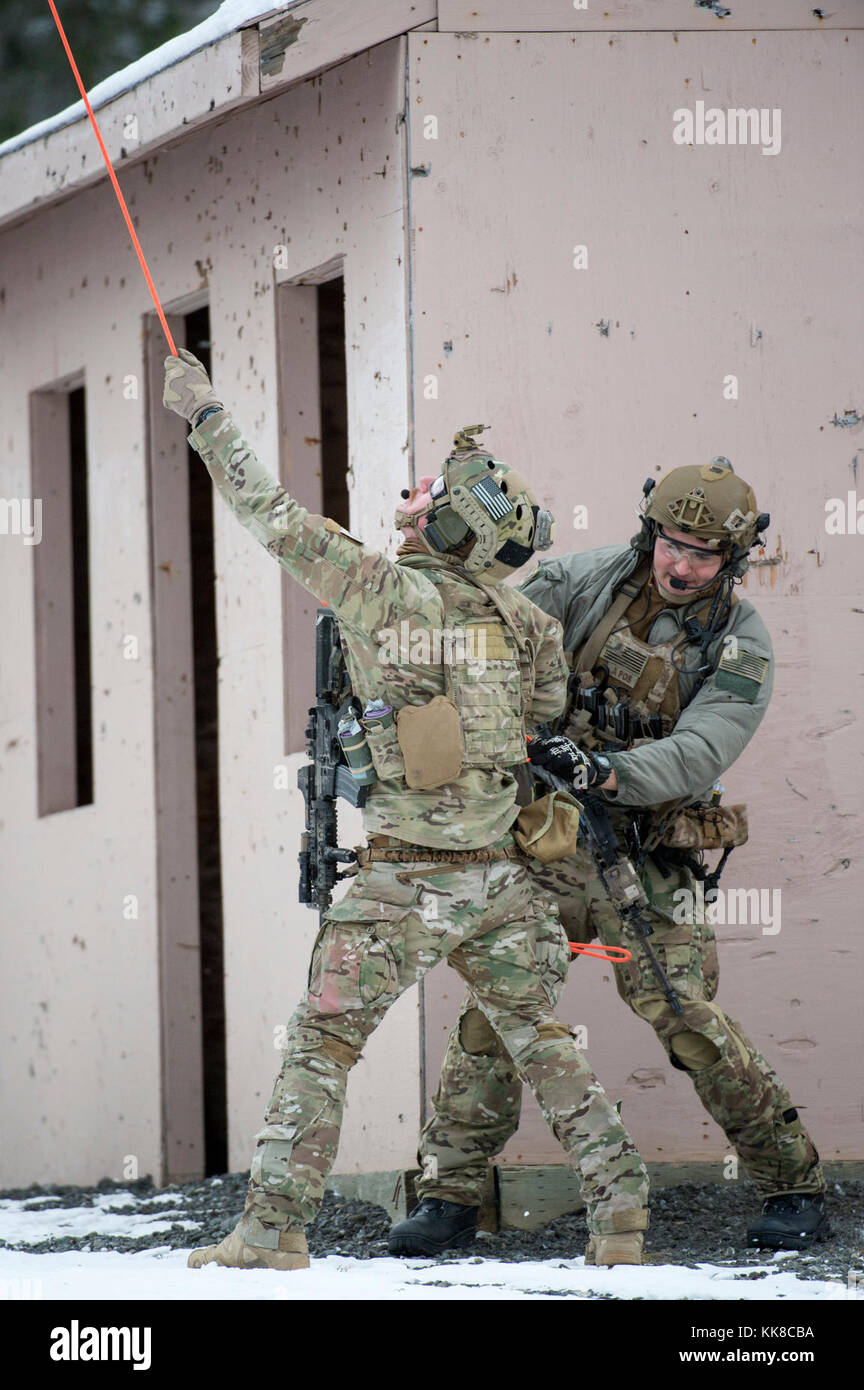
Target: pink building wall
x,y
305,171
704,262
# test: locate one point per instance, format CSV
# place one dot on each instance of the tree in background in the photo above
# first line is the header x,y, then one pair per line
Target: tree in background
x,y
36,80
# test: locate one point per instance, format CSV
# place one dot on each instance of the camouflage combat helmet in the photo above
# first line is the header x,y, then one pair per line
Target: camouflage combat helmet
x,y
479,496
710,502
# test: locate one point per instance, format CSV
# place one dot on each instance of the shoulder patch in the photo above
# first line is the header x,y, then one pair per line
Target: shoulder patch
x,y
742,673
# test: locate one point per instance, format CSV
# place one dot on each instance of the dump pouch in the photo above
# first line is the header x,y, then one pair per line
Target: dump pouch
x,y
547,829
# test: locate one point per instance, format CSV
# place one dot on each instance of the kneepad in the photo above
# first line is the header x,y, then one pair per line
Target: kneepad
x,y
692,1051
699,1036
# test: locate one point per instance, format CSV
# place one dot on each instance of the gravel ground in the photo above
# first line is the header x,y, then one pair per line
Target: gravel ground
x,y
689,1224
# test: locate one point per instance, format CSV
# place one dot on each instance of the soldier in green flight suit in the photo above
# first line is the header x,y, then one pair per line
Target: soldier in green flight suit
x,y
442,876
672,675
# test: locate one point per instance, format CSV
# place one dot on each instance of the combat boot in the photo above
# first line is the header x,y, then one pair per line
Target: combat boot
x,y
232,1252
433,1226
791,1221
618,1248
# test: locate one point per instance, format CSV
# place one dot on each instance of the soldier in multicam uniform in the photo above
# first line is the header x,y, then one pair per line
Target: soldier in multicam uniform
x,y
673,674
442,877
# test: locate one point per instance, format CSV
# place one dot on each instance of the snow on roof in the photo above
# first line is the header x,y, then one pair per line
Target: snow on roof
x,y
230,16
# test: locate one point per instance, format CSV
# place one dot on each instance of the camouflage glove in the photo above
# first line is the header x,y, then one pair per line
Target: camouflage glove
x,y
188,390
563,759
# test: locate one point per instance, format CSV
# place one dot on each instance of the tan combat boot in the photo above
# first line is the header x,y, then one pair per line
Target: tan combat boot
x,y
618,1248
233,1253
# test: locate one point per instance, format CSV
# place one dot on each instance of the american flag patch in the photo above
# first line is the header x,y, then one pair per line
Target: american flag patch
x,y
490,496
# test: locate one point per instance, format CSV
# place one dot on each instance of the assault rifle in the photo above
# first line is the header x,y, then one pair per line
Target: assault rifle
x,y
327,776
617,874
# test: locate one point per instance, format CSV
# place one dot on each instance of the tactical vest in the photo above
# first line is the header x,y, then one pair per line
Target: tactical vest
x,y
493,693
640,676
486,671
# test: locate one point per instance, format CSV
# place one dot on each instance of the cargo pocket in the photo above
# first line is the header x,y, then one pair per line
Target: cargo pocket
x,y
352,968
271,1161
355,960
705,944
552,954
677,943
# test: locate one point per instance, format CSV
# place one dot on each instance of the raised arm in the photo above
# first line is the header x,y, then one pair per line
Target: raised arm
x,y
361,585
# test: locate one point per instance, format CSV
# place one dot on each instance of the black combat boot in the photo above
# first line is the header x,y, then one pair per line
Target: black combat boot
x,y
433,1226
792,1221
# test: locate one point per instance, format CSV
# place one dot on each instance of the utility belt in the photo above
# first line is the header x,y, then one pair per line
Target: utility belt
x,y
388,850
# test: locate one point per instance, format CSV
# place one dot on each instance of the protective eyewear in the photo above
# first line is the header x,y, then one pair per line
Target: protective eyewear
x,y
695,555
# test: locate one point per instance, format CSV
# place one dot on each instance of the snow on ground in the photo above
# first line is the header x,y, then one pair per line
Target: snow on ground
x,y
161,1273
20,1226
155,1275
229,16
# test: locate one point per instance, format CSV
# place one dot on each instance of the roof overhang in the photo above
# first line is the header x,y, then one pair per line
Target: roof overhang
x,y
261,57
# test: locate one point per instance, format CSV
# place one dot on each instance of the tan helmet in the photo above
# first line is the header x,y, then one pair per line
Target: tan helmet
x,y
479,496
710,502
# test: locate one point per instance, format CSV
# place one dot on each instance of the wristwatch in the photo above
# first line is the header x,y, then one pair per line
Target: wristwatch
x,y
208,410
602,767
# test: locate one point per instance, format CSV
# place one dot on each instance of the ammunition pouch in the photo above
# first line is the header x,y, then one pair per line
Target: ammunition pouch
x,y
383,743
548,828
611,720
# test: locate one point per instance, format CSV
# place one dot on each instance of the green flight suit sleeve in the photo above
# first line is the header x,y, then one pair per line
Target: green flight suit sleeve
x,y
365,589
712,731
550,586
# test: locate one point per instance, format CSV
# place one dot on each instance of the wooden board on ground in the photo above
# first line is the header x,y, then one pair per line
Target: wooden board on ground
x,y
532,1196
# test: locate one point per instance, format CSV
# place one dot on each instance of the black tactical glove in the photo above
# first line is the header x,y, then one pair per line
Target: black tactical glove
x,y
563,759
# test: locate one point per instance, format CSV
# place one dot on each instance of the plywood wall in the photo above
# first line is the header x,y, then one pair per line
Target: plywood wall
x,y
703,263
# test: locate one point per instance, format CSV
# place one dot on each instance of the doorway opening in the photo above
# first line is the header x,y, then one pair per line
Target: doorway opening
x,y
205,663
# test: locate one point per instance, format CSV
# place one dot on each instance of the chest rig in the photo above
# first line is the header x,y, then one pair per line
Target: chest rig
x,y
475,690
625,691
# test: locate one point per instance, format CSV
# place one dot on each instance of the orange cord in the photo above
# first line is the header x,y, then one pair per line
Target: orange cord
x,y
120,197
601,953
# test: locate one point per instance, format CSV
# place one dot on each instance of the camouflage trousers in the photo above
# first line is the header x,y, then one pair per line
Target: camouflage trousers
x,y
476,1108
395,923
